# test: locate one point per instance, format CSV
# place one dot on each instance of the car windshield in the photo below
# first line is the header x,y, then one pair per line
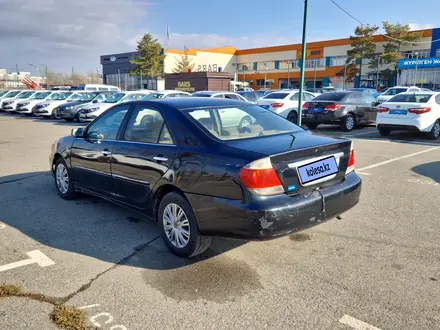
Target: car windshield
x,y
411,98
278,96
336,96
61,96
153,96
41,95
26,95
12,94
201,95
88,97
115,98
75,97
244,122
395,91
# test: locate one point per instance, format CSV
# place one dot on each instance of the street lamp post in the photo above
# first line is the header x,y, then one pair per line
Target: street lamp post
x,y
417,66
377,72
303,61
265,75
289,63
314,77
345,75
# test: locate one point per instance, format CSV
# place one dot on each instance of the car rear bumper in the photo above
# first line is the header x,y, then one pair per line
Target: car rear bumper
x,y
322,118
270,217
396,124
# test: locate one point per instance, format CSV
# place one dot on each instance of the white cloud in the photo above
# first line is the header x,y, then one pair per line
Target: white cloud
x,y
415,26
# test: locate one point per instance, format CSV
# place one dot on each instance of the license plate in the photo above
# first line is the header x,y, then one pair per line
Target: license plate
x,y
265,106
398,112
316,110
318,170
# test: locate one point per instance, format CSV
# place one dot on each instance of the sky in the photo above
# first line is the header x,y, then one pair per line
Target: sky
x,y
73,33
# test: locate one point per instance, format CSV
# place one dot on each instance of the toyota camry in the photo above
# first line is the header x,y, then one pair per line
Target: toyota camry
x,y
179,162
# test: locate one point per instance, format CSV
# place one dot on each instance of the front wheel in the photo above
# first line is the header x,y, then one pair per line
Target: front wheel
x,y
435,131
178,225
293,117
348,123
63,181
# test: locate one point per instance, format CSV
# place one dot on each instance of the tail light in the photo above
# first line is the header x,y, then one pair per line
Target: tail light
x,y
382,109
260,178
351,161
277,105
332,107
419,111
305,106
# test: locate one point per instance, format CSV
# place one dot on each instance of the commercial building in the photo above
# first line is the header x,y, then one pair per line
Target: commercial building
x,y
278,66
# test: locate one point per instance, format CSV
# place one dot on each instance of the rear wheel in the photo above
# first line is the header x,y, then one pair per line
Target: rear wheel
x,y
312,125
293,117
178,225
348,123
435,131
384,131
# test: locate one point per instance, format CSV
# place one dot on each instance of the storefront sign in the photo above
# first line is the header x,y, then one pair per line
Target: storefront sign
x,y
432,62
310,53
207,68
184,86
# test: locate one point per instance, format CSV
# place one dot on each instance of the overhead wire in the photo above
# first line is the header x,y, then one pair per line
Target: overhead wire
x,y
384,35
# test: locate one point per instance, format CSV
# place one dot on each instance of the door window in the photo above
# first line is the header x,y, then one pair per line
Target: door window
x,y
294,97
147,125
308,97
107,126
232,96
219,96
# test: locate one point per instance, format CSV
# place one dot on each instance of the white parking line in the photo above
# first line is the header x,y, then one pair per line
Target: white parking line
x,y
89,306
362,173
396,159
359,134
35,257
356,324
2,226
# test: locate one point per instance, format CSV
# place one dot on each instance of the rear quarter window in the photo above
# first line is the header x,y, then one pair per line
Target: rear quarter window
x,y
278,96
411,98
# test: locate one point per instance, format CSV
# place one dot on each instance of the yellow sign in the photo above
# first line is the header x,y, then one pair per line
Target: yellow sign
x,y
184,86
311,53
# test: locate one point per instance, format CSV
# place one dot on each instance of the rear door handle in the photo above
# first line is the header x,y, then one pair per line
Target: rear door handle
x,y
106,153
161,159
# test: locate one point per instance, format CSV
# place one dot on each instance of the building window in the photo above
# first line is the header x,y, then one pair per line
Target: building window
x,y
269,83
338,60
412,53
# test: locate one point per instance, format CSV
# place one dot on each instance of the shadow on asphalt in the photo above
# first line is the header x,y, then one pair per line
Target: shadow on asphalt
x,y
429,170
90,226
58,122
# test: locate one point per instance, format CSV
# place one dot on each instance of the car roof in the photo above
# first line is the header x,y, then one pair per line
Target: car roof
x,y
197,102
214,92
418,92
169,91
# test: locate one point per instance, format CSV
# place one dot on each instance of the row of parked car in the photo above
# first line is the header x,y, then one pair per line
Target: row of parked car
x,y
346,108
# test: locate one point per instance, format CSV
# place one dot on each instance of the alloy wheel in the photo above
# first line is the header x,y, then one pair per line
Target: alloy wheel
x,y
349,123
62,178
176,225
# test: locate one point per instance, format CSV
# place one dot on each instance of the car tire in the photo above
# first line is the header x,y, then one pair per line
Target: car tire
x,y
435,131
68,119
312,126
293,117
76,118
172,204
348,123
244,122
384,131
63,181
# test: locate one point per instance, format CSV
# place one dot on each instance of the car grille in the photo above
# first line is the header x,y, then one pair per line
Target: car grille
x,y
39,107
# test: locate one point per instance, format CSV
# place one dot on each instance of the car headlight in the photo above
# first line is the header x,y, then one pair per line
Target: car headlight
x,y
24,103
69,107
94,109
44,105
7,102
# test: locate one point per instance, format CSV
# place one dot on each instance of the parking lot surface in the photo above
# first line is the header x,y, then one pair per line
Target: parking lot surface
x,y
376,268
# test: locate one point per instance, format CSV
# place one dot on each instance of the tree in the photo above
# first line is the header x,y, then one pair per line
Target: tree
x,y
350,71
362,45
149,59
398,35
184,64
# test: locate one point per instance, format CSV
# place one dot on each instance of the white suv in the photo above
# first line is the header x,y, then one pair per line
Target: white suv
x,y
419,111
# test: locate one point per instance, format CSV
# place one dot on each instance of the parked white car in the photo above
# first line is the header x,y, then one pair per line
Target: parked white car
x,y
8,98
391,92
411,111
93,110
28,106
48,108
285,103
166,95
220,95
9,94
10,105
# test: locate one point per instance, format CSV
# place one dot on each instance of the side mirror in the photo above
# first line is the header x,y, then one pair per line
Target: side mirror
x,y
78,132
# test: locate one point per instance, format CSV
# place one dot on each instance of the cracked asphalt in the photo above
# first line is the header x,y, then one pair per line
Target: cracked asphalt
x,y
379,264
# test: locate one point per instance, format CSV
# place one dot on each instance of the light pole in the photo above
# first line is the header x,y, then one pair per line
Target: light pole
x,y
265,74
314,76
417,66
345,75
377,72
435,76
289,63
303,62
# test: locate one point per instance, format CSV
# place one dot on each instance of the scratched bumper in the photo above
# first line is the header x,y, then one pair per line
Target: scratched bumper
x,y
270,217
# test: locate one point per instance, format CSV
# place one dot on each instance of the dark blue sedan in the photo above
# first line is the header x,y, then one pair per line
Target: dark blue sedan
x,y
189,165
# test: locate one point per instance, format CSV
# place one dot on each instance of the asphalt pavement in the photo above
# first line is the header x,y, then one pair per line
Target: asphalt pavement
x,y
377,268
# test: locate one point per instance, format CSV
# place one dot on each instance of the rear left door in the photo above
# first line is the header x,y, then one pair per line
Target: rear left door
x,y
142,156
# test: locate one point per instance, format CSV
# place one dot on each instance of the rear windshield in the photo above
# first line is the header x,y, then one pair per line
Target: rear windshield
x,y
334,96
278,96
244,122
395,91
411,98
153,96
201,95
